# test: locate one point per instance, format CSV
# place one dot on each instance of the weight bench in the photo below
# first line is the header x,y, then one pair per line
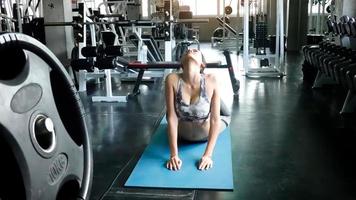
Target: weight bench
x,y
142,67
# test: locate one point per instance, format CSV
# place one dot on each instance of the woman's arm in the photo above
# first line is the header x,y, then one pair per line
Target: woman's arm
x,y
174,161
206,161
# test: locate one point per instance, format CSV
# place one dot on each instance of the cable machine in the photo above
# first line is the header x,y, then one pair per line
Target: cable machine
x,y
265,69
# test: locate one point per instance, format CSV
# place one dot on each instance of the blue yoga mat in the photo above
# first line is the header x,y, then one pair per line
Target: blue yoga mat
x,y
150,171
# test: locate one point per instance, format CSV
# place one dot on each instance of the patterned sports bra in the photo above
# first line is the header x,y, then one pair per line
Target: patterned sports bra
x,y
196,112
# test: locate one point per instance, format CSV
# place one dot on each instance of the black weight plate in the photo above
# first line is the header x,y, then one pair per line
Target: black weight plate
x,y
47,164
228,10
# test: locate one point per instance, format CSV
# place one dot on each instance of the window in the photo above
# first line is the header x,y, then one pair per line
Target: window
x,y
206,7
255,7
316,4
202,7
216,7
144,8
191,3
198,7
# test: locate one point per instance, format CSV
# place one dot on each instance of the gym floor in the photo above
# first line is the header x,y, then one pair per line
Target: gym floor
x,y
288,141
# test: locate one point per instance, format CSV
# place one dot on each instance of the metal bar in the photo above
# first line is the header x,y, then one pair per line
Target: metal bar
x,y
246,37
92,35
278,31
195,20
83,43
170,19
136,89
168,65
60,24
122,23
40,9
19,20
234,82
281,28
318,19
224,24
227,26
7,17
9,9
108,83
322,23
138,33
109,15
310,24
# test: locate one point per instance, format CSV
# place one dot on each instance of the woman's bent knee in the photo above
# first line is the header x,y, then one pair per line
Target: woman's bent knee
x,y
224,110
225,121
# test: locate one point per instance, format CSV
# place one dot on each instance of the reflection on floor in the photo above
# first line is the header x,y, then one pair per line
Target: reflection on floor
x,y
288,141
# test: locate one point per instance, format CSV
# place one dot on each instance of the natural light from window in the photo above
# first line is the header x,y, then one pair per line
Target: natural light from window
x,y
209,7
144,8
199,8
206,7
315,8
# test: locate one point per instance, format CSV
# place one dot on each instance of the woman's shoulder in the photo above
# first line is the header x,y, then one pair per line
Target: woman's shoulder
x,y
172,77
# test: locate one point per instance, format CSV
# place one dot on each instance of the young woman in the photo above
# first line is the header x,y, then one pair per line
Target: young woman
x,y
193,109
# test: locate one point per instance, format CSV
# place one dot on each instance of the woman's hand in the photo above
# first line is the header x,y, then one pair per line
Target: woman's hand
x,y
174,163
205,163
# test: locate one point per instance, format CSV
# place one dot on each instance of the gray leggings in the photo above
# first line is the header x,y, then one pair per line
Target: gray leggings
x,y
225,114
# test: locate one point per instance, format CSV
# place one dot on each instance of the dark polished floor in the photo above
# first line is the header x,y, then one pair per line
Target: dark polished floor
x,y
288,141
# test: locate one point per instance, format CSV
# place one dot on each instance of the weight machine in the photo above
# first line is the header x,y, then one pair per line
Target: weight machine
x,y
266,69
110,24
14,13
225,36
